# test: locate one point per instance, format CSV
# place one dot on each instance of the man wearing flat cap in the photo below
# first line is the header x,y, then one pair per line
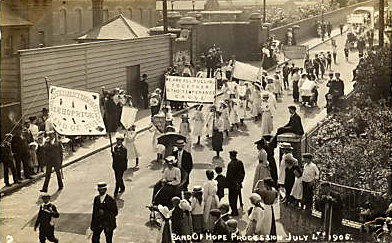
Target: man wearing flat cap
x,y
184,162
104,214
309,175
8,160
53,154
47,211
120,162
220,226
294,125
235,176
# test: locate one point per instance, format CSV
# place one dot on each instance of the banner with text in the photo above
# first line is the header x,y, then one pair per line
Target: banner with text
x,y
245,71
190,89
128,116
75,112
295,52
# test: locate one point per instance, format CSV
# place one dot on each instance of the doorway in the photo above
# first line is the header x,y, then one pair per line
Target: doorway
x,y
133,79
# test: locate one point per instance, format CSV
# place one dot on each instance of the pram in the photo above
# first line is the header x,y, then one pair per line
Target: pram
x,y
309,93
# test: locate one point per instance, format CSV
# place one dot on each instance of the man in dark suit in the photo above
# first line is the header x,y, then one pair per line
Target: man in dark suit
x,y
184,162
104,215
21,153
47,211
294,125
120,162
220,226
53,154
144,91
8,160
235,175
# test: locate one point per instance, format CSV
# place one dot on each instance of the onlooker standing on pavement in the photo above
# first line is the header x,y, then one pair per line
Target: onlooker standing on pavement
x,y
286,72
154,104
53,154
235,176
104,215
42,119
295,78
329,29
47,211
144,91
341,28
21,153
7,160
120,160
334,50
347,50
222,183
309,176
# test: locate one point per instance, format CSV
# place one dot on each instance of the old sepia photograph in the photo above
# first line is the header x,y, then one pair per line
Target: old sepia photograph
x,y
183,121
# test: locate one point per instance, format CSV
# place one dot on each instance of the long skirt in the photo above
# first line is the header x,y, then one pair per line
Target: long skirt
x,y
197,223
198,128
187,223
295,90
266,123
217,141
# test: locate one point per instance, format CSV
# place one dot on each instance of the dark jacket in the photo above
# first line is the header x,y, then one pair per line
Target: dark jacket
x,y
108,218
6,153
120,160
45,214
177,217
186,161
222,184
235,173
220,229
295,124
110,115
144,87
19,146
53,153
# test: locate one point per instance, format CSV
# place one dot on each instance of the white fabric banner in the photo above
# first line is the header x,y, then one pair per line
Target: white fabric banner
x,y
295,52
245,71
128,116
75,112
190,89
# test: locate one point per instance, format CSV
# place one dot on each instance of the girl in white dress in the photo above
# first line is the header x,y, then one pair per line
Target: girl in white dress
x,y
225,117
132,152
198,123
233,116
185,130
267,117
256,216
296,193
210,198
256,99
210,121
242,109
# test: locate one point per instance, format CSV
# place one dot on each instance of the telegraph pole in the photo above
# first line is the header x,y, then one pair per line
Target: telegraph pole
x,y
381,24
164,15
264,11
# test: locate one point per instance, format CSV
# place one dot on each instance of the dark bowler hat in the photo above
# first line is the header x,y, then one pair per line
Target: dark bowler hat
x,y
261,141
292,107
233,153
307,156
215,212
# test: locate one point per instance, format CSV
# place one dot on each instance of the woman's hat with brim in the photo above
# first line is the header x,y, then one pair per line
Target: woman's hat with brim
x,y
197,189
184,205
164,211
34,145
286,146
255,198
170,160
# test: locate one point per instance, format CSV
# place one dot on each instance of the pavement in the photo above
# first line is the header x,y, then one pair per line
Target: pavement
x,y
74,202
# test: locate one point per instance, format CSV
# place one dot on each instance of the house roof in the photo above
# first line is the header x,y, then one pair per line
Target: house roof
x,y
117,28
247,3
10,18
182,5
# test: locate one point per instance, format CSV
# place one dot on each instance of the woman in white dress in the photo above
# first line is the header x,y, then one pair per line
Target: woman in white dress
x,y
210,198
233,116
269,197
132,152
267,117
198,123
262,170
225,117
210,121
256,216
242,109
278,85
185,130
256,99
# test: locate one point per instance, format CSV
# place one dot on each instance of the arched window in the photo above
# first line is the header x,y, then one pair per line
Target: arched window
x,y
78,20
63,21
105,15
141,16
130,13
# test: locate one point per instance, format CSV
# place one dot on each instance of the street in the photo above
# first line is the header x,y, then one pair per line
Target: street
x,y
74,202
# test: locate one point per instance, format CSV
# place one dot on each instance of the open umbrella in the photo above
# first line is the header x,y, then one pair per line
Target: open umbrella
x,y
170,138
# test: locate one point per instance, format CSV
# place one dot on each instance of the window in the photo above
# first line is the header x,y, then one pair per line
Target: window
x,y
78,20
130,13
105,15
141,16
63,22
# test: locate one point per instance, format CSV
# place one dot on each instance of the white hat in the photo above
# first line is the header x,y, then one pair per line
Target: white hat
x,y
184,205
102,185
171,160
255,198
164,211
120,136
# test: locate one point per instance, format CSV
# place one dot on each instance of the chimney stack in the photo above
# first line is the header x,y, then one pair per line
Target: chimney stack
x,y
97,12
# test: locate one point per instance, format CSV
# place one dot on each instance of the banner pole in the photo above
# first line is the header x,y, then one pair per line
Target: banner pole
x,y
111,143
